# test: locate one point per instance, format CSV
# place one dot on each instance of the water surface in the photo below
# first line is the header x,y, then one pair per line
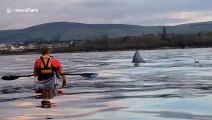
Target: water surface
x,y
170,86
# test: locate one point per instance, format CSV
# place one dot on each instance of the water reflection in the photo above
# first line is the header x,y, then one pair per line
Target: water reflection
x,y
169,85
178,115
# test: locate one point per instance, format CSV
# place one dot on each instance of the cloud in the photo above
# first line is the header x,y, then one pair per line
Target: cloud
x,y
190,17
139,12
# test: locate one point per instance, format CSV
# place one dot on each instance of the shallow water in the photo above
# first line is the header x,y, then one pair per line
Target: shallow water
x,y
170,86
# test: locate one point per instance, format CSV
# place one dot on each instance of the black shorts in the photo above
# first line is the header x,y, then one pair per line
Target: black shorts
x,y
45,77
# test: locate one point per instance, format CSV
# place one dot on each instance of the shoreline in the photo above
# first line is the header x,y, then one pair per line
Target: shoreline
x,y
121,44
10,53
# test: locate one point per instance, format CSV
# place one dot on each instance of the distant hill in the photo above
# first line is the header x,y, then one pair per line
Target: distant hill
x,y
69,30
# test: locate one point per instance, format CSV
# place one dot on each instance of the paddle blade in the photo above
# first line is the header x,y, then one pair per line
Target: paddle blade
x,y
91,75
9,77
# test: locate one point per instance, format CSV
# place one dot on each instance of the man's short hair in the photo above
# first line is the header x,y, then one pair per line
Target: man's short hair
x,y
45,50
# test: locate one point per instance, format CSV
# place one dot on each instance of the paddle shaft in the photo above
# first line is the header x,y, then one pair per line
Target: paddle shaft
x,y
13,77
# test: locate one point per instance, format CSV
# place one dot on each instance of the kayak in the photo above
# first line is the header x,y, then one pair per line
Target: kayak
x,y
47,89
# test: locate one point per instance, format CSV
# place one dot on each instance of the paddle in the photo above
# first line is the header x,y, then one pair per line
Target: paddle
x,y
92,75
14,77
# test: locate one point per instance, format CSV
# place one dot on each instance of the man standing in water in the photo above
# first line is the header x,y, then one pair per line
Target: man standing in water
x,y
46,66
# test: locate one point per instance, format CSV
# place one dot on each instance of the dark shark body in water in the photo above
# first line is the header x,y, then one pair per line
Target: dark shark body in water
x,y
137,59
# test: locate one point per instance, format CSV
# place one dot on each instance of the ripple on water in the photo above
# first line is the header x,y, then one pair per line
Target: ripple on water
x,y
169,86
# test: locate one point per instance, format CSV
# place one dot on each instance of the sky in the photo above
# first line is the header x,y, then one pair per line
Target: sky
x,y
136,12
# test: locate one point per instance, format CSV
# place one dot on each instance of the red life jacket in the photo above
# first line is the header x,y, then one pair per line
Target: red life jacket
x,y
46,65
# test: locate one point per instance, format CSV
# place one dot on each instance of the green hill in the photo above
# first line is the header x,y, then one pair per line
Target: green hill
x,y
69,30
